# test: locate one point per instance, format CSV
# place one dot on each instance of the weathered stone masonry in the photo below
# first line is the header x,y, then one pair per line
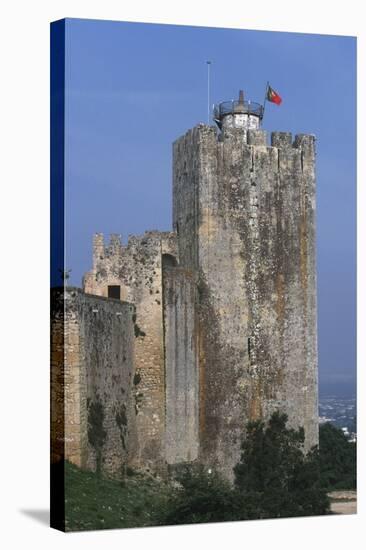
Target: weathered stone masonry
x,y
93,420
216,323
182,375
244,214
137,269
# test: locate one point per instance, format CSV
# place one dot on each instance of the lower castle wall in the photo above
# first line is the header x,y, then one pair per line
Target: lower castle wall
x,y
95,377
57,377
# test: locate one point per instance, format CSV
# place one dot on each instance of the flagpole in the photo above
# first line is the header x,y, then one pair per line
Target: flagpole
x,y
208,91
265,98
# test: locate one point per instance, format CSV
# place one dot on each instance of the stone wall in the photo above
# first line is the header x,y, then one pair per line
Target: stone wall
x,y
93,378
137,268
245,218
181,366
57,388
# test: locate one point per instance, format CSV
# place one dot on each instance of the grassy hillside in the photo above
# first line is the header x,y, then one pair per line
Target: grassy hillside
x,y
93,502
272,479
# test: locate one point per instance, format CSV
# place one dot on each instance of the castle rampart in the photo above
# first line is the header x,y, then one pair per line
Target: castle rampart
x,y
92,381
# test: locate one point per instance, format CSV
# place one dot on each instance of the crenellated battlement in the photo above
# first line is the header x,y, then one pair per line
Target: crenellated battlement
x,y
256,137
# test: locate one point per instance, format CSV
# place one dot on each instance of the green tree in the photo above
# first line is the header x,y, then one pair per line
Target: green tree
x,y
274,478
274,474
337,459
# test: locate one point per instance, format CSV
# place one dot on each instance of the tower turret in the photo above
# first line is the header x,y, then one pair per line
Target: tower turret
x,y
238,113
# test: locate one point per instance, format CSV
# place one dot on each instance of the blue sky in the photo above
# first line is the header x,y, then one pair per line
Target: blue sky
x,y
133,88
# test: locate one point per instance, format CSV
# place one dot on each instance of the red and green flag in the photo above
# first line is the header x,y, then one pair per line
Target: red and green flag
x,y
273,96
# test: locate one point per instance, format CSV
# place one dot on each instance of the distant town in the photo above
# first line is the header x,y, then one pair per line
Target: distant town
x,y
341,412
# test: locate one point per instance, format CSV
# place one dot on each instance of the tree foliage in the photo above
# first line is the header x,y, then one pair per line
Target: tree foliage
x,y
274,478
276,474
337,459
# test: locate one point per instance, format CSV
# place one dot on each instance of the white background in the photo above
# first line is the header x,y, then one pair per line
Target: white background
x,y
24,203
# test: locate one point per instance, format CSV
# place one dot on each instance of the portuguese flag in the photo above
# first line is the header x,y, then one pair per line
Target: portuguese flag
x,y
273,96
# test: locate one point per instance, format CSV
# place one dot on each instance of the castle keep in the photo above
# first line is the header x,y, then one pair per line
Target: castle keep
x,y
179,338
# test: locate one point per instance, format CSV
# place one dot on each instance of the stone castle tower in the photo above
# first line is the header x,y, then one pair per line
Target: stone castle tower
x,y
244,214
224,321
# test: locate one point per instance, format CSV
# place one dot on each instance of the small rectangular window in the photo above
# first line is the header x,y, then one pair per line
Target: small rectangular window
x,y
114,291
